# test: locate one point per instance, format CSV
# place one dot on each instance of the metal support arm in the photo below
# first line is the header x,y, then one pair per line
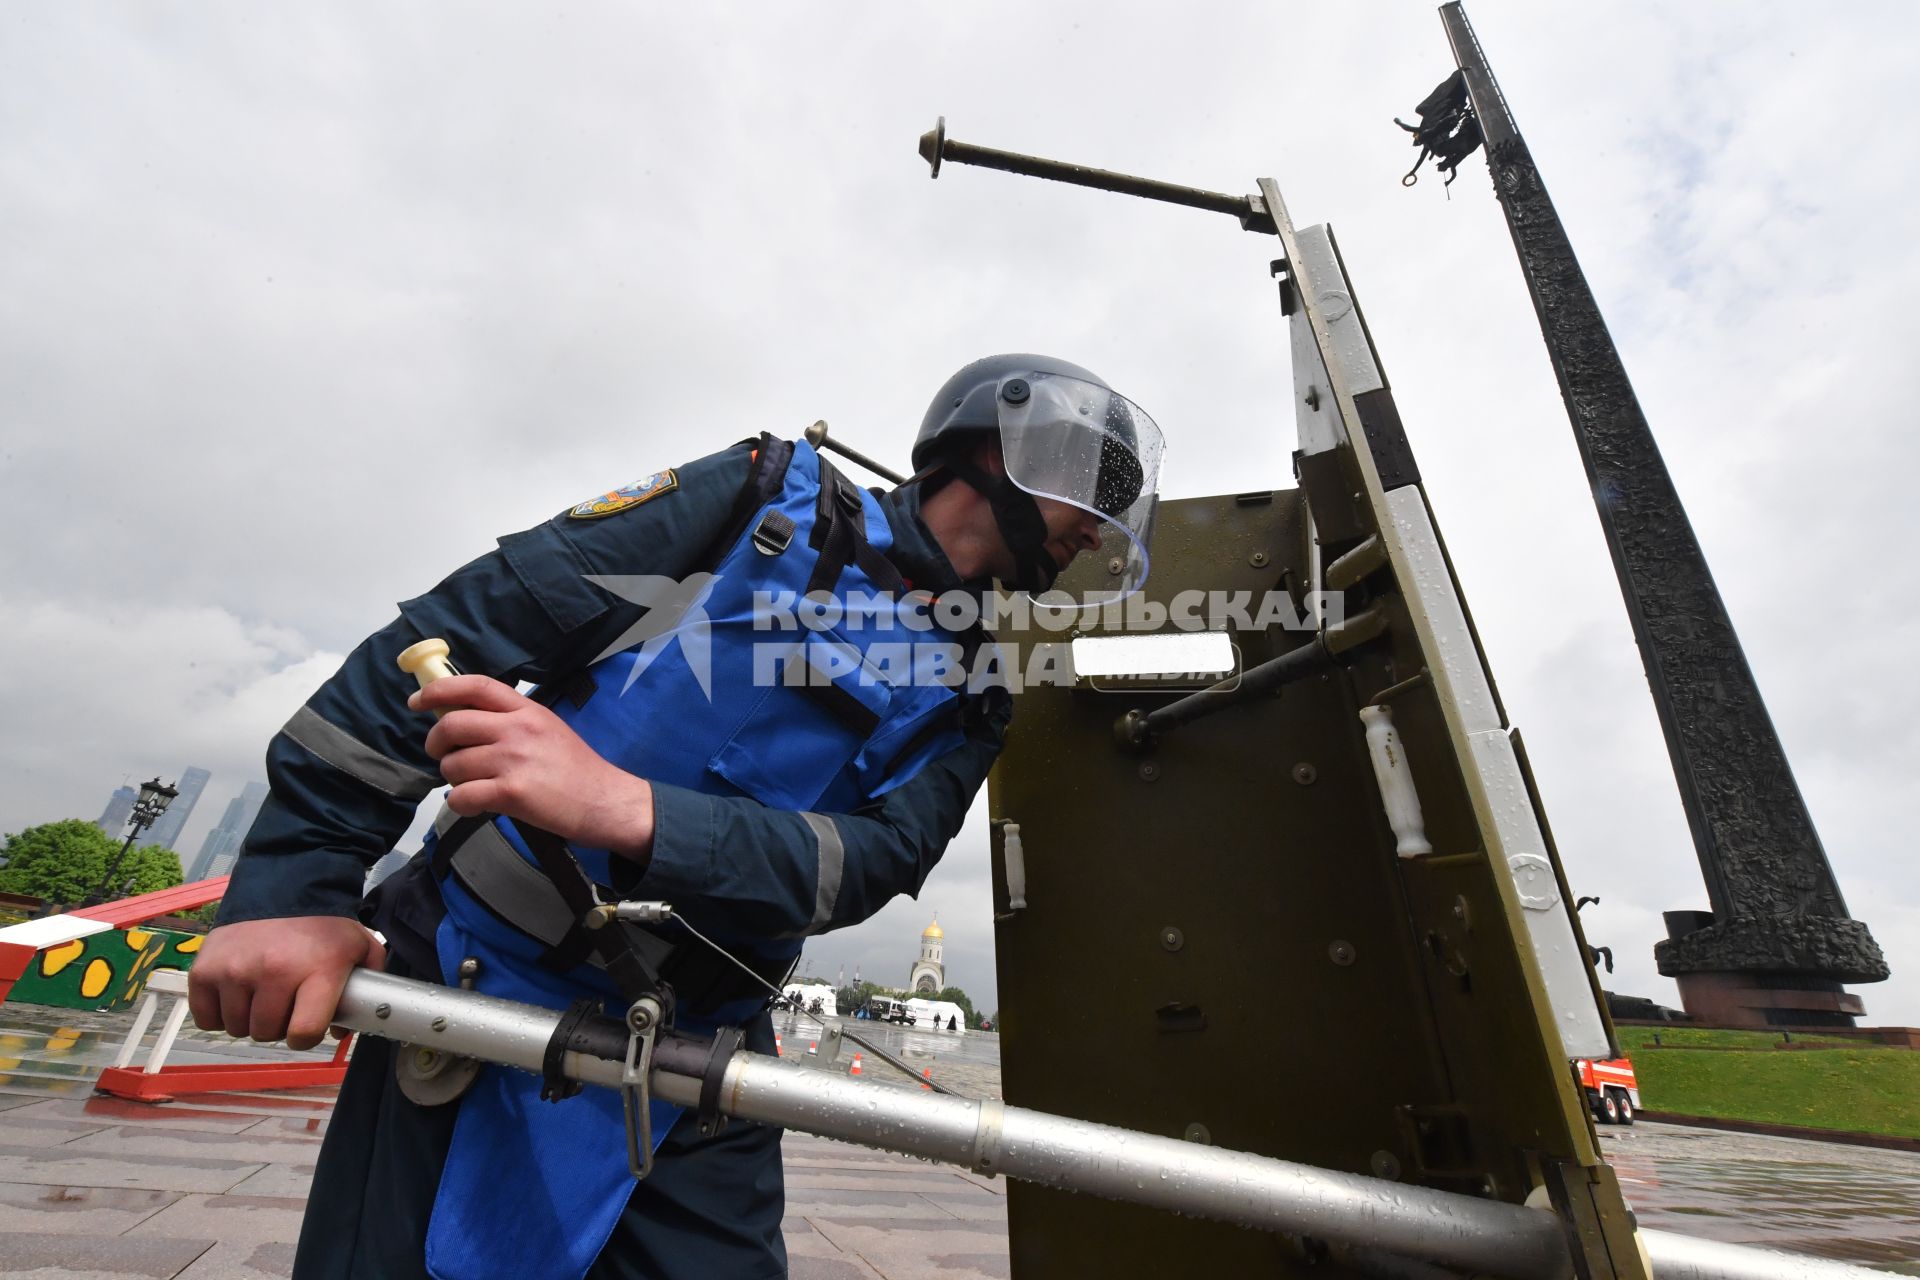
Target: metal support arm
x,y
936,147
1454,1230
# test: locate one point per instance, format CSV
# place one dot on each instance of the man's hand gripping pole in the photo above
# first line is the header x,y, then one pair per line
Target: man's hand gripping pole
x,y
650,1011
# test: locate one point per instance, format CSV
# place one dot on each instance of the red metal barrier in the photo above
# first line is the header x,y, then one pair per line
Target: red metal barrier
x,y
146,906
157,1082
167,1083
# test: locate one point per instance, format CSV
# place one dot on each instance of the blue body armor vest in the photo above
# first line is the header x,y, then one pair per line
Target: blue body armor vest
x,y
739,699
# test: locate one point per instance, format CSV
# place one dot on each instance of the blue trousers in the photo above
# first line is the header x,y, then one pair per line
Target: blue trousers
x,y
711,1207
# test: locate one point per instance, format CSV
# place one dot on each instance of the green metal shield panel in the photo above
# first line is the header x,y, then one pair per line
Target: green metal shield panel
x,y
1220,935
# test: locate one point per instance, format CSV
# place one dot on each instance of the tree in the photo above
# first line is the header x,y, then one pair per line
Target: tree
x,y
65,861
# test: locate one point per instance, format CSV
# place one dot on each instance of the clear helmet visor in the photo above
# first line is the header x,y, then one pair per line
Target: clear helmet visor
x,y
1083,444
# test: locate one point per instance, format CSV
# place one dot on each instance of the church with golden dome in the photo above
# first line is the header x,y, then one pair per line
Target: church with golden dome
x,y
929,971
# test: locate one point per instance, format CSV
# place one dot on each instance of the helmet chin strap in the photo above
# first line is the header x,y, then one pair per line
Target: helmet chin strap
x,y
1018,518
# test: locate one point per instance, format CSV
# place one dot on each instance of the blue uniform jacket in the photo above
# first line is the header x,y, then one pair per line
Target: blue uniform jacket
x,y
350,768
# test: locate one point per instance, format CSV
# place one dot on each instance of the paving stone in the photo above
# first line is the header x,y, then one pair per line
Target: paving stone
x,y
234,1260
35,1255
924,1250
13,1084
256,1219
279,1101
993,1186
254,1148
102,1211
853,1166
65,1167
934,1181
975,1208
798,1153
852,1234
59,1070
102,1109
972,1264
874,1195
797,1230
44,1131
837,1267
830,1157
862,1204
276,1181
311,1127
10,1101
958,1184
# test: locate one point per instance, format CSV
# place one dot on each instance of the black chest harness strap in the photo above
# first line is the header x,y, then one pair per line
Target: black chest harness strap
x,y
531,899
840,536
549,904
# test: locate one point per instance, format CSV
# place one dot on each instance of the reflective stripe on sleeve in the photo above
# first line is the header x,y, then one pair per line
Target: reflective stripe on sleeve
x,y
832,855
356,759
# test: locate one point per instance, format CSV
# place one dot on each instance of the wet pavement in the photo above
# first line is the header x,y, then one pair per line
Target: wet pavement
x,y
1858,1204
967,1062
213,1188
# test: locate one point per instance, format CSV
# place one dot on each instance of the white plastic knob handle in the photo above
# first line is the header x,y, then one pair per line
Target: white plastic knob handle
x,y
427,662
1396,783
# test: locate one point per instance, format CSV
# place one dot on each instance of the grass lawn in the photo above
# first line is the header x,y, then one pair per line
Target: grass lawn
x,y
1737,1075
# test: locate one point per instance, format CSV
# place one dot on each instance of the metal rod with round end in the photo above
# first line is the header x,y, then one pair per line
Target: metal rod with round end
x,y
1343,1209
816,435
936,147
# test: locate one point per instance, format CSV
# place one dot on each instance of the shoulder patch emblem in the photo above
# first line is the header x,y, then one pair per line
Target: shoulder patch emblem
x,y
627,495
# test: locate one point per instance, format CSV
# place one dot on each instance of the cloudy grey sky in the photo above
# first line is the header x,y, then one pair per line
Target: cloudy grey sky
x,y
301,307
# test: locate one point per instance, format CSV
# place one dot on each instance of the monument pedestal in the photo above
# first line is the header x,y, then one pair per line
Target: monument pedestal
x,y
1784,971
1767,1000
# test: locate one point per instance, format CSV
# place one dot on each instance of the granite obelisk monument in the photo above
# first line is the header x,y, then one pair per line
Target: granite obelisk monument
x,y
1778,943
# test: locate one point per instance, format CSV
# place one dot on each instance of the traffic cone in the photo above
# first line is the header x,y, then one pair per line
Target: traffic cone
x,y
854,1070
813,1046
779,1046
926,1075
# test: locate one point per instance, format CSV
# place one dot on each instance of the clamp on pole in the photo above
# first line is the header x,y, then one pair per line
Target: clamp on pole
x,y
643,1029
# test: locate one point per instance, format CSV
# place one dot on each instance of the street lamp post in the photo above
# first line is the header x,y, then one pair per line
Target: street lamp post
x,y
153,801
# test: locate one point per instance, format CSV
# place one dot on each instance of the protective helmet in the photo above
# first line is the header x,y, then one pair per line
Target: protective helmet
x,y
1064,434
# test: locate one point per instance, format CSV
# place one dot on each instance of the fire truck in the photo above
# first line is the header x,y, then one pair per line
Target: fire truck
x,y
1612,1091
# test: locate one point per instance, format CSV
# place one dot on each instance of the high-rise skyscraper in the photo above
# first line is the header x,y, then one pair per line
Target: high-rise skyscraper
x,y
222,845
113,819
167,831
218,841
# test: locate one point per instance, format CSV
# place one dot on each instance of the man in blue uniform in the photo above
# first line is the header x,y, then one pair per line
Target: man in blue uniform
x,y
654,759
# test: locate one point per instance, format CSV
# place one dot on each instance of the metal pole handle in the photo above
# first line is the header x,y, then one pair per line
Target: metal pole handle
x,y
1118,1164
